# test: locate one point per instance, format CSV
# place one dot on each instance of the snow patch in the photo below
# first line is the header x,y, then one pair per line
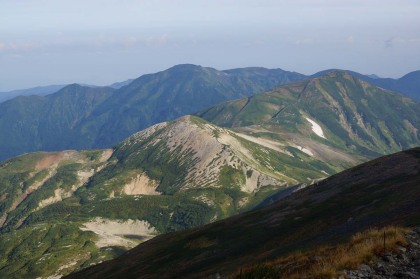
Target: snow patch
x,y
305,150
316,128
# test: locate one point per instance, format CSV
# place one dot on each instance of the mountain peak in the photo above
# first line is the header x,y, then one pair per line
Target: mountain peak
x,y
337,73
213,150
76,87
186,67
415,76
72,86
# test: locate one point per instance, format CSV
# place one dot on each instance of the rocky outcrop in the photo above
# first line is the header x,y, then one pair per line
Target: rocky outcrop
x,y
403,264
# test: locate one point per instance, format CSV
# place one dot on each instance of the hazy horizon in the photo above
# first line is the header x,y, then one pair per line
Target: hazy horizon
x,y
96,42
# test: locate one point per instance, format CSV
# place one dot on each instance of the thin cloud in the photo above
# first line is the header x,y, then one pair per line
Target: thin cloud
x,y
389,43
398,41
18,47
94,43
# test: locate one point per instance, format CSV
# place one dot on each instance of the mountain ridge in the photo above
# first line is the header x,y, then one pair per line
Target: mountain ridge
x,y
148,100
407,85
345,108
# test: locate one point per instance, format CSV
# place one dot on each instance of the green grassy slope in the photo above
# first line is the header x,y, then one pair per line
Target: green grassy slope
x,y
172,176
378,193
355,116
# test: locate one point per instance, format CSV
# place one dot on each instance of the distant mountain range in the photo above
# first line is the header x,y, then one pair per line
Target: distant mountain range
x,y
106,116
39,91
375,194
118,85
407,85
49,89
35,123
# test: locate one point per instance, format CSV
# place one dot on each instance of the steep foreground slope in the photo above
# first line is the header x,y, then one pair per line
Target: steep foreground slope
x,y
80,117
63,211
335,110
378,193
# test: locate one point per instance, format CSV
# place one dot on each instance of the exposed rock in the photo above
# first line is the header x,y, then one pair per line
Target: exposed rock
x,y
118,232
404,264
141,185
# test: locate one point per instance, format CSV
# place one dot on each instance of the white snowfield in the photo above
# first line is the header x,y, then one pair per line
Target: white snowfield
x,y
316,128
305,150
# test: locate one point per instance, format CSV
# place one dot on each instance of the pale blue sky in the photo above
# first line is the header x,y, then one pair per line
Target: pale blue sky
x,y
102,41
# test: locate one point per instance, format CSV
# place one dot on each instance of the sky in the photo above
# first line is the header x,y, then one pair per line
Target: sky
x,y
98,42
